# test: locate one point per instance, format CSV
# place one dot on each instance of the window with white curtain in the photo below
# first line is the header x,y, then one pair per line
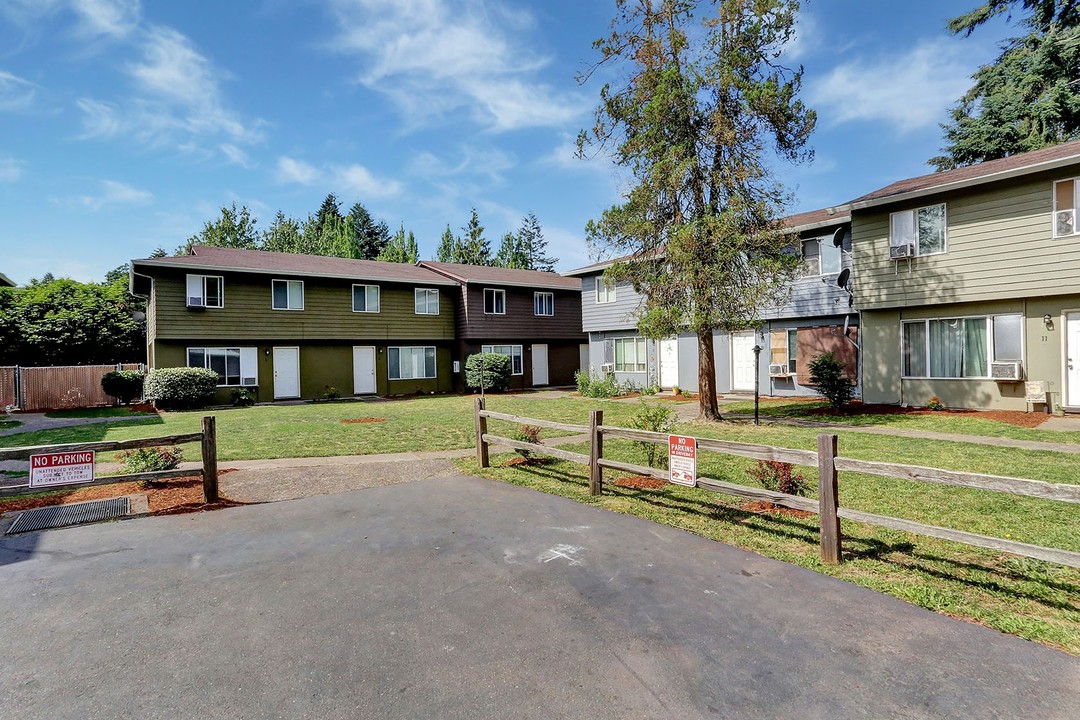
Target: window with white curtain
x,y
924,228
630,355
410,363
960,347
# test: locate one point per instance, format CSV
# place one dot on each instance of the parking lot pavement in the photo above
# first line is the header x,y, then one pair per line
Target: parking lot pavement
x,y
464,598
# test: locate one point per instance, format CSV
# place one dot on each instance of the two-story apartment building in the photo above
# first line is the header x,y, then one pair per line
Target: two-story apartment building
x,y
816,317
289,326
968,282
533,317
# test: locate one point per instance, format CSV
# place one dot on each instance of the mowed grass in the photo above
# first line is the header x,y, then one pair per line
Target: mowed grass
x,y
1032,599
317,430
99,412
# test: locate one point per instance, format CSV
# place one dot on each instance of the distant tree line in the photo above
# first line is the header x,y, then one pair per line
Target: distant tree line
x,y
359,236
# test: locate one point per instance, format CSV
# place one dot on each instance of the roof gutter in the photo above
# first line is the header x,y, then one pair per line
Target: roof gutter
x,y
298,273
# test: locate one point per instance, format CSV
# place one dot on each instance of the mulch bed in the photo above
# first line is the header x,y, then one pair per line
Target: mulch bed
x,y
767,508
178,495
1012,417
518,461
639,482
353,421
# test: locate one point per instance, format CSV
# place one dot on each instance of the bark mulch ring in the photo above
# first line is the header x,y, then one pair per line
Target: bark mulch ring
x,y
767,508
1012,417
639,482
353,421
518,461
179,495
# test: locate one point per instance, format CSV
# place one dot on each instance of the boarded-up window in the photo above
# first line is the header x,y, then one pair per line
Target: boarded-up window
x,y
815,341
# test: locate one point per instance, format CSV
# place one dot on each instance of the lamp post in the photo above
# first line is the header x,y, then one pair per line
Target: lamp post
x,y
757,380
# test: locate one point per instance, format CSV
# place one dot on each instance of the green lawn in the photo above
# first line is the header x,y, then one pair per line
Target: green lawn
x,y
9,424
100,412
959,423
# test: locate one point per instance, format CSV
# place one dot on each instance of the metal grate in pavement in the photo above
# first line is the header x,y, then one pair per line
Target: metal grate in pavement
x,y
56,516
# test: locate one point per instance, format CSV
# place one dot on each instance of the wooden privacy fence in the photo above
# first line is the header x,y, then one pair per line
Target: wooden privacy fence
x,y
208,444
828,463
56,387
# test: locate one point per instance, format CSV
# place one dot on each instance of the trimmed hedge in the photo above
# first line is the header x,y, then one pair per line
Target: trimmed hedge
x,y
124,385
180,387
491,371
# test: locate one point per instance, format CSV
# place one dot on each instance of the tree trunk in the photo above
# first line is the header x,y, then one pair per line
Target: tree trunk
x,y
707,377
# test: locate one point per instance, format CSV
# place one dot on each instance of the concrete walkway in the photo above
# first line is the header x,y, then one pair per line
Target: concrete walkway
x,y
32,422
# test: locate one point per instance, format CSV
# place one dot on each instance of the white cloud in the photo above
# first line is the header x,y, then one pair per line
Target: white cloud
x,y
235,155
15,92
100,120
10,169
116,193
433,57
115,18
489,162
358,180
908,91
291,170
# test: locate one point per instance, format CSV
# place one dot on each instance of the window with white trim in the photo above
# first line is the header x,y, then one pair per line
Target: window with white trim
x,y
287,294
922,228
494,301
1066,201
543,303
205,291
960,347
235,366
365,298
630,355
427,301
410,363
605,289
821,257
511,351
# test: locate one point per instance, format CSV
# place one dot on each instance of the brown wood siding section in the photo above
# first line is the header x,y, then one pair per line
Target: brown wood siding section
x,y
327,313
999,245
813,341
520,320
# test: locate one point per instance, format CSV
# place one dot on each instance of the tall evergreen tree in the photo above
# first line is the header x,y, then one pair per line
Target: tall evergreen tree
x,y
701,100
512,253
1029,97
534,245
329,213
283,235
475,248
412,251
398,249
448,250
234,229
371,236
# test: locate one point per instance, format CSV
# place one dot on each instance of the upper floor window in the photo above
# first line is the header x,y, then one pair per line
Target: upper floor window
x,y
605,289
494,301
1066,200
365,298
205,291
821,256
427,301
921,230
543,303
287,294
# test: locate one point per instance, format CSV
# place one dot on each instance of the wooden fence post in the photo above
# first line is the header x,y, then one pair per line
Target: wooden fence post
x,y
596,451
481,430
828,500
209,458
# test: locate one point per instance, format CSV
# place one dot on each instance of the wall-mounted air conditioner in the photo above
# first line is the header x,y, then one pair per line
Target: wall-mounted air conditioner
x,y
607,368
896,252
1005,372
1064,222
778,370
196,302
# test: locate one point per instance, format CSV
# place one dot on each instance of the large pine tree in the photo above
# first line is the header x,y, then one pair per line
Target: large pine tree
x,y
475,248
534,245
449,247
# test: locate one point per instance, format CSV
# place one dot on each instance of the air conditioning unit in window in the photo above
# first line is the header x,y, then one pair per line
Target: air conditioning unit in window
x,y
1064,222
196,302
896,252
248,382
778,370
1005,372
607,368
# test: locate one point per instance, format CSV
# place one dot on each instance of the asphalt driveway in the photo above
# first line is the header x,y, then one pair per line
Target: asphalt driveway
x,y
464,598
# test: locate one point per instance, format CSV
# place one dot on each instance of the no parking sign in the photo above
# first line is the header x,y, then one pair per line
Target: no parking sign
x,y
61,468
682,460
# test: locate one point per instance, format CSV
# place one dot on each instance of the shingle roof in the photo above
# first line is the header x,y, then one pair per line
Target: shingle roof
x,y
1022,164
5,281
502,276
204,257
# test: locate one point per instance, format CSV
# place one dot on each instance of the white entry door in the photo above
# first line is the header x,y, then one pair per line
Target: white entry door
x,y
286,372
1072,359
742,361
669,362
540,364
363,368
583,357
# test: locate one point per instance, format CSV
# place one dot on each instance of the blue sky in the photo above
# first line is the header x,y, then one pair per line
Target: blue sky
x,y
125,125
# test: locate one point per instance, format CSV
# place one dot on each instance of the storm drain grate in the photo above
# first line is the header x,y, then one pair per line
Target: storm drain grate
x,y
56,516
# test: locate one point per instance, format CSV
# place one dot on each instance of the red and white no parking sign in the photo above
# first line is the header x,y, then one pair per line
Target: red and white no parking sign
x,y
682,460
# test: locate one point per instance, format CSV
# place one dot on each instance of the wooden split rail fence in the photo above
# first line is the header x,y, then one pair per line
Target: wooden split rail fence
x,y
208,445
829,464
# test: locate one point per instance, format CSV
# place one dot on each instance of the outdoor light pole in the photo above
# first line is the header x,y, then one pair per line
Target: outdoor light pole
x,y
757,382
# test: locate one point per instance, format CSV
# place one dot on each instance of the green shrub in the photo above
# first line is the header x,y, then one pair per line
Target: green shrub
x,y
331,393
124,385
827,374
582,379
242,397
529,434
151,459
779,477
657,418
594,387
180,387
488,371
